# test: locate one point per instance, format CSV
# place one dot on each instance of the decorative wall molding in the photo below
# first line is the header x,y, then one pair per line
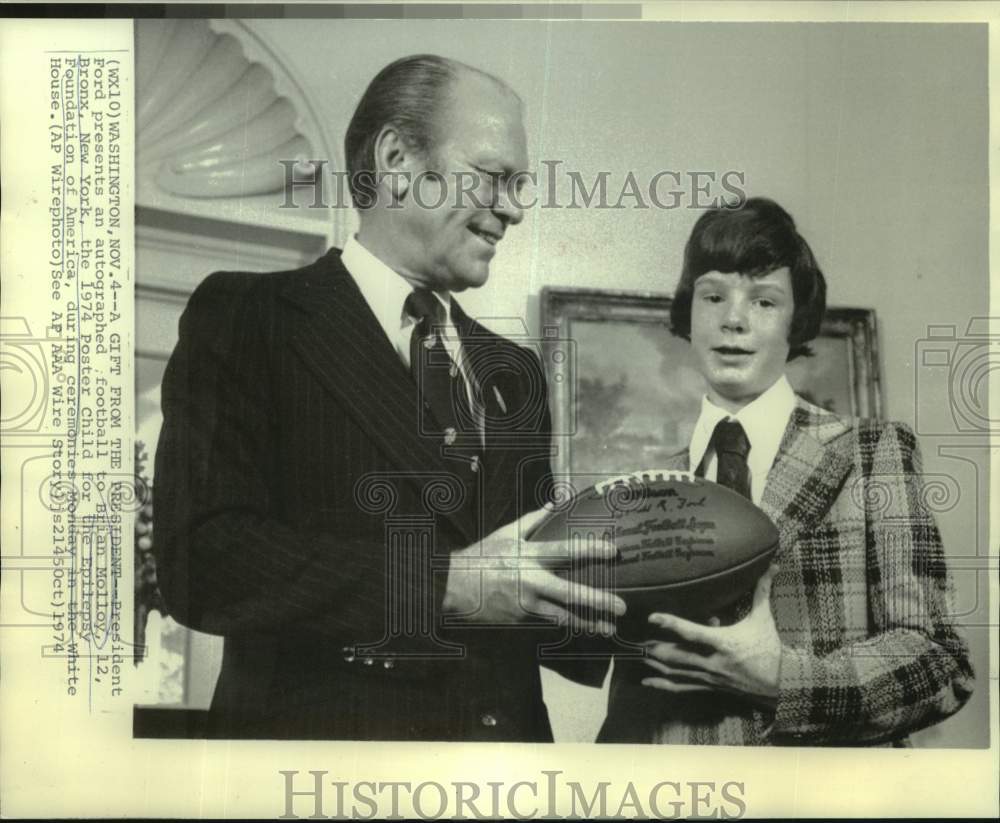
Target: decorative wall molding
x,y
176,252
217,109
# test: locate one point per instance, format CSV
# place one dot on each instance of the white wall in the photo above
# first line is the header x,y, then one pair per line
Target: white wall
x,y
873,137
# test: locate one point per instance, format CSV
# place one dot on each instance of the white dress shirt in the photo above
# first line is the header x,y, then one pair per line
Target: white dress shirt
x,y
764,421
385,291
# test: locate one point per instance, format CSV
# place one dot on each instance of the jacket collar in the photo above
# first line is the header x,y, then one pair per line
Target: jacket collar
x,y
340,340
512,424
813,460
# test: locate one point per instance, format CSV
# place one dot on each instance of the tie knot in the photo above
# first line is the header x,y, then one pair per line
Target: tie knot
x,y
423,306
730,437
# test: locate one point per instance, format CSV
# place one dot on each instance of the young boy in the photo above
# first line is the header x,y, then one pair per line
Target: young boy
x,y
848,640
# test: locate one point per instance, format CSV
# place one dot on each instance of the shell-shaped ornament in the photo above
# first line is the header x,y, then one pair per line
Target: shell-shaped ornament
x,y
211,122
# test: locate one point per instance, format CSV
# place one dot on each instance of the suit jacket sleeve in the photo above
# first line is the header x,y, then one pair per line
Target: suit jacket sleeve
x,y
914,670
226,564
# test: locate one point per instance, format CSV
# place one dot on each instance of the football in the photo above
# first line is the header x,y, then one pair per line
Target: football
x,y
684,545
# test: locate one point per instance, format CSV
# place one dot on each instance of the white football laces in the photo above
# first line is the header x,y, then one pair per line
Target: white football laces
x,y
647,476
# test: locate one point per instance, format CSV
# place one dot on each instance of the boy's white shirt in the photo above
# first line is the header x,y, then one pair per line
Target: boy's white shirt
x,y
764,420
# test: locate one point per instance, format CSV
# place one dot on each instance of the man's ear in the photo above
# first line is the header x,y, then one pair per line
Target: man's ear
x,y
395,164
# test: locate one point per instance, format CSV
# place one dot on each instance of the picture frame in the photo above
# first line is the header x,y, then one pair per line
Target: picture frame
x,y
625,395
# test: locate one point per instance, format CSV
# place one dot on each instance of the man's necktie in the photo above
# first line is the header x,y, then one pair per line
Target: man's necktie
x,y
440,384
731,450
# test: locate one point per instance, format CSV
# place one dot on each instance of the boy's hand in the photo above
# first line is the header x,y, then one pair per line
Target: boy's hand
x,y
741,659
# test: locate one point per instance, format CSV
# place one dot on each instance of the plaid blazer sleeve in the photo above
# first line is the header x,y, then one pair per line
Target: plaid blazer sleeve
x,y
913,670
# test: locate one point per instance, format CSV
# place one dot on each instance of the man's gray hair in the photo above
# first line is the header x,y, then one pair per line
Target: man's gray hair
x,y
410,94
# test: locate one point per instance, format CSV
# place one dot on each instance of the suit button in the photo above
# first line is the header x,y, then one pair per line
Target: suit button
x,y
369,661
474,463
488,720
388,663
449,436
348,653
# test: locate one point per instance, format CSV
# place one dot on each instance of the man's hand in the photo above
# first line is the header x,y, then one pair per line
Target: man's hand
x,y
740,659
506,580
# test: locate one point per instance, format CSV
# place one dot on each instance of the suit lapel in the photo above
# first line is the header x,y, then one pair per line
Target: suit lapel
x,y
341,341
808,472
503,451
812,462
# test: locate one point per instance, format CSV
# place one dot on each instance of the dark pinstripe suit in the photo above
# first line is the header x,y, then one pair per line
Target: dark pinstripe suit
x,y
289,459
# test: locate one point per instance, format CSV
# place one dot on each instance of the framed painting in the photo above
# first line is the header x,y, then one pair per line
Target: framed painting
x,y
625,393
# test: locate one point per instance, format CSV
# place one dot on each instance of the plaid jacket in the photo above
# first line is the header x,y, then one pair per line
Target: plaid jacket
x,y
861,602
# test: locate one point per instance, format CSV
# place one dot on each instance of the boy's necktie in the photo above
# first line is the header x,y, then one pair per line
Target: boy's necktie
x,y
731,450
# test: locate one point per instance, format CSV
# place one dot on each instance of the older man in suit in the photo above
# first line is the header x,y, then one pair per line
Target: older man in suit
x,y
348,461
848,639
